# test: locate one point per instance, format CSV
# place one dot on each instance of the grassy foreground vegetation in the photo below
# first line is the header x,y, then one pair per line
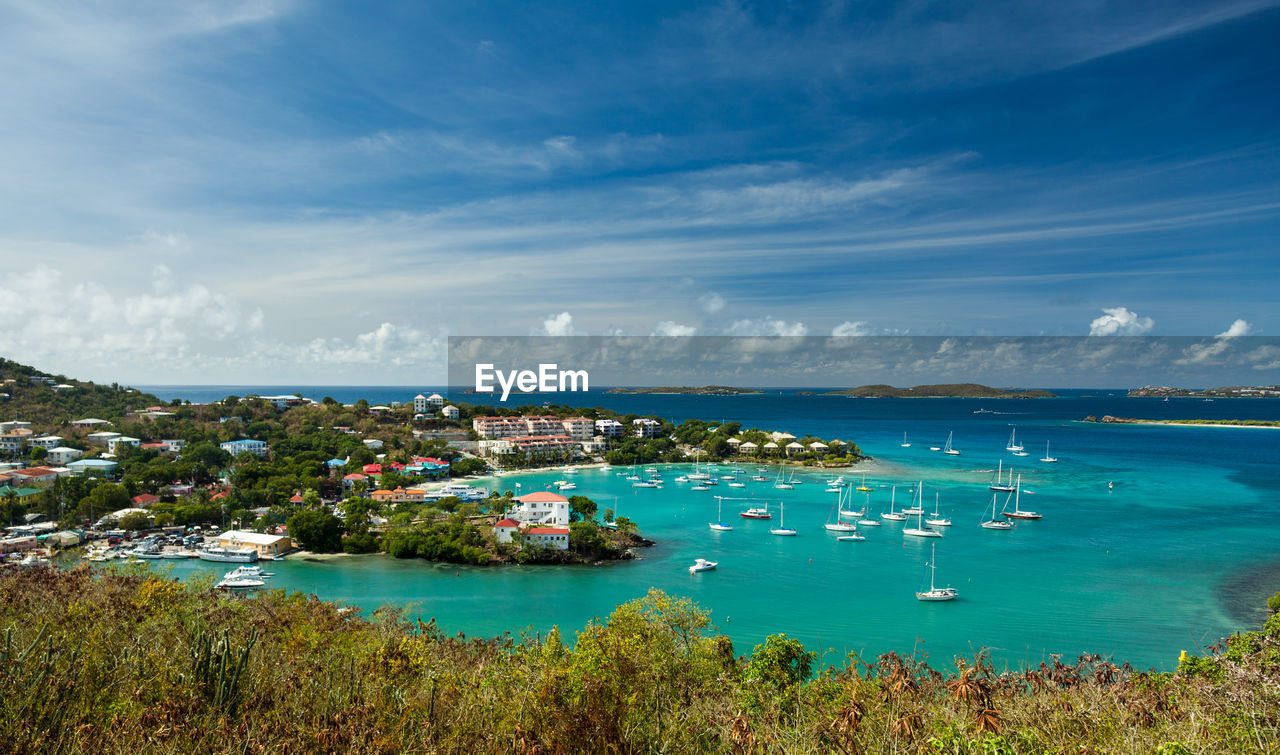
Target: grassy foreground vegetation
x,y
125,662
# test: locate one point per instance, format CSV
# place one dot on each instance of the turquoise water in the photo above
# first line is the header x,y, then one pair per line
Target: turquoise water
x,y
1138,572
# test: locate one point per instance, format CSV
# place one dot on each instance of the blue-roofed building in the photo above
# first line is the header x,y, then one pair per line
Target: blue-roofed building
x,y
244,445
336,463
92,466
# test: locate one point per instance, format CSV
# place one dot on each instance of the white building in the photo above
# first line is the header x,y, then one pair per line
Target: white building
x,y
103,437
114,444
555,538
609,428
89,423
435,401
63,455
449,412
15,424
174,445
542,509
579,428
372,443
645,427
503,530
266,545
11,445
547,425
47,441
237,447
420,404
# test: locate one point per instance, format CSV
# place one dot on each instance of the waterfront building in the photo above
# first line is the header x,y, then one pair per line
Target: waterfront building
x,y
771,447
499,427
748,448
609,428
503,530
645,427
794,447
267,546
579,428
555,538
541,508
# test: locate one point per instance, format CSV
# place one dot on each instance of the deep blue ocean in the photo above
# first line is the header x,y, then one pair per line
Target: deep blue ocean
x,y
1154,539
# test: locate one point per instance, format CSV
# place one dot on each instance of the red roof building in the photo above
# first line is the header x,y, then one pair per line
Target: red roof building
x,y
144,500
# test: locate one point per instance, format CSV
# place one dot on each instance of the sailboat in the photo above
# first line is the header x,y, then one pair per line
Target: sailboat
x,y
1047,458
780,484
917,495
614,524
935,593
1017,512
782,530
937,520
892,515
850,513
863,487
719,524
920,530
993,523
947,449
698,474
833,519
1000,485
1013,441
905,444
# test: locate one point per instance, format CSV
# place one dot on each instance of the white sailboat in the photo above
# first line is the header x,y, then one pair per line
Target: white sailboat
x,y
1013,441
782,530
947,449
920,530
935,593
850,513
937,520
833,519
719,524
1047,458
999,484
892,515
613,525
781,484
905,444
993,523
917,499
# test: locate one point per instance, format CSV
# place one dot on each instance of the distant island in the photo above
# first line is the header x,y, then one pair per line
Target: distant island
x,y
706,390
1110,420
1228,391
946,390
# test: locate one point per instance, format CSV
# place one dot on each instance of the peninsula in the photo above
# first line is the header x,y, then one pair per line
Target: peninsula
x,y
706,390
944,390
1228,391
1110,420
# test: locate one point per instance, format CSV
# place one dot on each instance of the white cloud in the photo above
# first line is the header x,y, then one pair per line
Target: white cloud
x,y
69,326
851,328
668,328
559,325
711,302
1201,353
1119,321
1266,358
387,345
766,327
1238,328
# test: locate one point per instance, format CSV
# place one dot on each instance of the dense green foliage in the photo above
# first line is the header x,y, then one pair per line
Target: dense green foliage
x,y
128,662
317,531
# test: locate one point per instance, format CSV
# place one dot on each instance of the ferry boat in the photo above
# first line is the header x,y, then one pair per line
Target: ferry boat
x,y
228,555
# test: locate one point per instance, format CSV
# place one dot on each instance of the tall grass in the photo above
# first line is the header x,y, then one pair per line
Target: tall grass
x,y
128,663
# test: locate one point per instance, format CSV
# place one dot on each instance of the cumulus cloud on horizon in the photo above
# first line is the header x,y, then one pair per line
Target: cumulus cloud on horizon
x,y
1119,321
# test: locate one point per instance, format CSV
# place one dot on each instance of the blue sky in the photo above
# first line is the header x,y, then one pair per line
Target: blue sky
x,y
313,192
